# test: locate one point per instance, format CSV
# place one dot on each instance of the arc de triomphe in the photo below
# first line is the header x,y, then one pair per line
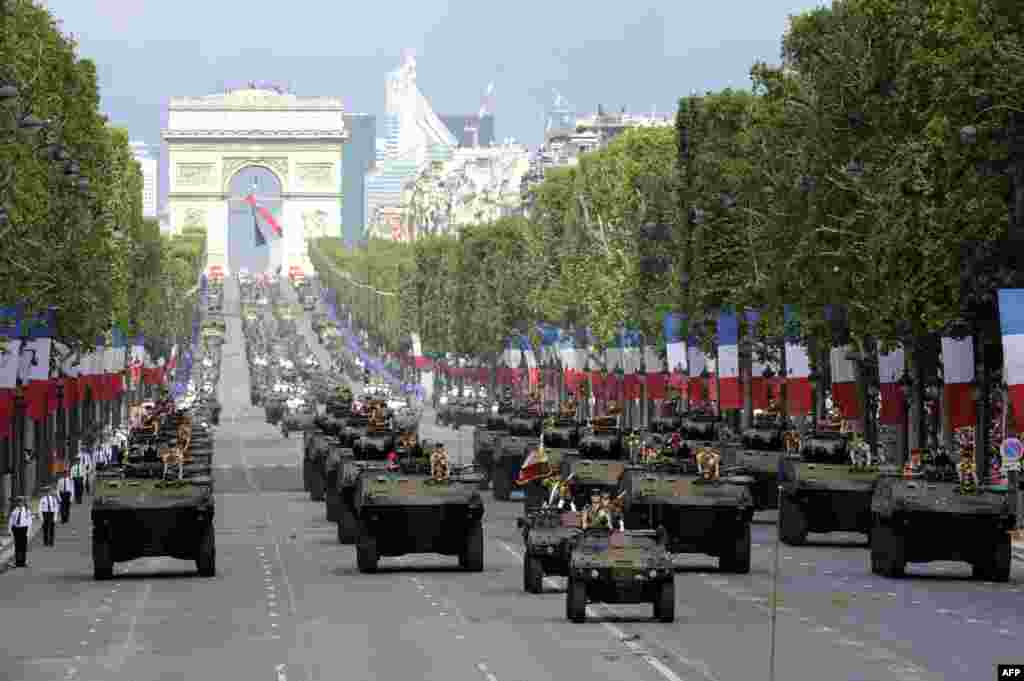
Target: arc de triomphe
x,y
210,139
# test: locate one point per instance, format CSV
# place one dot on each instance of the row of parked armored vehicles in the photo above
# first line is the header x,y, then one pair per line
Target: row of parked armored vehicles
x,y
158,499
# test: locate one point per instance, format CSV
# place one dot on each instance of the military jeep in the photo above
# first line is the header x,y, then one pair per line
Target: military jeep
x,y
548,534
922,520
620,567
822,491
408,511
711,517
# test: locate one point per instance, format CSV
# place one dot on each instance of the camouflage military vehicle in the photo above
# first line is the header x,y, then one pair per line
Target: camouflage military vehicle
x,y
602,440
317,446
356,426
486,442
762,447
699,429
620,567
665,424
700,516
822,491
591,476
411,511
136,514
523,432
548,535
556,451
922,520
376,442
446,409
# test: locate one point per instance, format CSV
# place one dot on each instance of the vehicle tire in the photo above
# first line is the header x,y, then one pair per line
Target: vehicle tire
x,y
206,561
348,527
576,601
665,602
995,566
888,551
102,562
502,483
472,557
316,491
736,557
307,483
792,523
533,575
366,553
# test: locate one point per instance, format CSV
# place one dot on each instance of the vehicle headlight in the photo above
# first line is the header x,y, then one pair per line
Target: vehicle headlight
x,y
494,409
653,573
595,574
551,549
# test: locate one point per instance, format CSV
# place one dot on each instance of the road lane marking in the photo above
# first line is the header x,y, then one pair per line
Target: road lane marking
x,y
130,640
284,572
627,640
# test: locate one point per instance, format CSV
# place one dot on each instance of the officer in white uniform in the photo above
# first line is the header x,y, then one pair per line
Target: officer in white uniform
x,y
48,505
19,524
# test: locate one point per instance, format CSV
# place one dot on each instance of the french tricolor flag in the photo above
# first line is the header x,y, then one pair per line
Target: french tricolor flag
x,y
675,344
844,383
1011,319
799,395
758,383
890,372
958,376
697,387
729,360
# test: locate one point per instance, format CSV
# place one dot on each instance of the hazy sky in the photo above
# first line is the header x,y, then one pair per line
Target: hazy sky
x,y
639,54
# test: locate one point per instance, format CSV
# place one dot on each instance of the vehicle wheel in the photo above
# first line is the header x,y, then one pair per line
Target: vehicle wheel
x,y
502,484
665,602
736,558
995,566
366,553
472,557
792,523
306,475
206,561
533,575
316,491
576,601
348,527
102,563
888,551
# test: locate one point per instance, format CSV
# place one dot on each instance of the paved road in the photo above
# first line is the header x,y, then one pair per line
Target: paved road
x,y
288,604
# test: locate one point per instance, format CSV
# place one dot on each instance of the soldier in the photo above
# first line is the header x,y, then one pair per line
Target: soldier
x,y
19,524
47,510
612,511
591,511
439,468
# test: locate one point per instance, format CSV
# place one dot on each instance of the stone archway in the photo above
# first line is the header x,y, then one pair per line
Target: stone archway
x,y
242,248
211,140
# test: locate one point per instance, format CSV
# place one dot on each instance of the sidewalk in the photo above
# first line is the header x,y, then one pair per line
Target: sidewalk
x,y
78,526
1018,545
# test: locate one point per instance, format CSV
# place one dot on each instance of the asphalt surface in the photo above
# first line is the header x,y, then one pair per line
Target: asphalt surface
x,y
288,604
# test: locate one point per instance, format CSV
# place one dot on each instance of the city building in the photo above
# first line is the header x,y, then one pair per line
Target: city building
x,y
567,136
358,158
472,131
476,185
414,138
147,159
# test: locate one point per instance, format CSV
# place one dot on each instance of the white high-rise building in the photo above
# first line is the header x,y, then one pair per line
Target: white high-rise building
x,y
141,150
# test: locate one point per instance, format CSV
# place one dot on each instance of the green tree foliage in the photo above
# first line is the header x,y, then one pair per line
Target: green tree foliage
x,y
841,178
88,253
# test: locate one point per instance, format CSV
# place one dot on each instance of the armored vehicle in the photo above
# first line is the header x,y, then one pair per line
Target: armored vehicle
x,y
602,440
446,409
822,491
666,424
590,476
922,520
316,446
356,426
417,510
762,447
468,412
523,432
700,515
486,442
376,442
548,535
699,429
136,513
620,567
